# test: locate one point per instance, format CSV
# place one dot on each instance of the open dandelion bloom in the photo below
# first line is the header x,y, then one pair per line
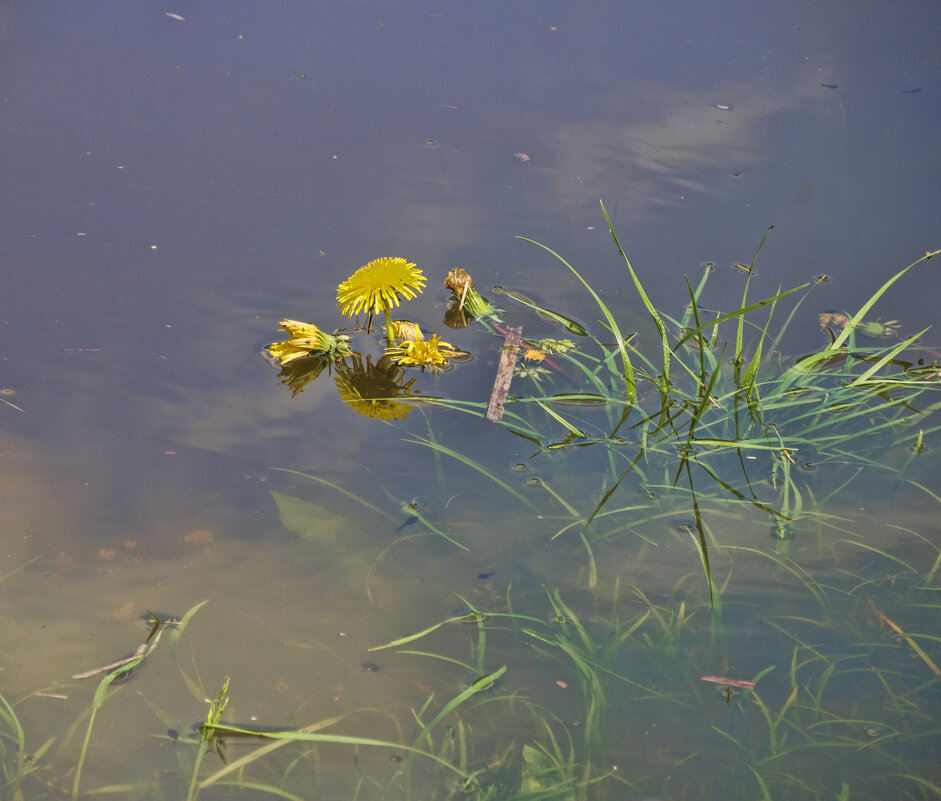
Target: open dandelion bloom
x,y
431,353
305,339
376,287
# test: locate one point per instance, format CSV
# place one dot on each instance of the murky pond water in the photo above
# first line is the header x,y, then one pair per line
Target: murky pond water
x,y
227,578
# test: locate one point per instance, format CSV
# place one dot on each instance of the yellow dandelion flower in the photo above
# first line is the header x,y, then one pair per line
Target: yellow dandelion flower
x,y
288,350
405,329
431,353
297,329
534,355
376,287
305,339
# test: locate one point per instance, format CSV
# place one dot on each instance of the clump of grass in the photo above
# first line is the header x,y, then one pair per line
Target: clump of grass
x,y
728,421
711,424
17,762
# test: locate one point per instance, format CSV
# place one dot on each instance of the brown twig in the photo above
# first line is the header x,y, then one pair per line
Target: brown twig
x,y
501,384
914,645
105,668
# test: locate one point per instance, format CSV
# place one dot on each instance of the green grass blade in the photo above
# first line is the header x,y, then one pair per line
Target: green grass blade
x,y
483,683
651,309
609,318
849,329
342,490
460,457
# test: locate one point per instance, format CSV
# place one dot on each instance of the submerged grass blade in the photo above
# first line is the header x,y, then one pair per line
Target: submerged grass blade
x,y
303,736
343,491
101,693
258,753
425,632
914,645
466,460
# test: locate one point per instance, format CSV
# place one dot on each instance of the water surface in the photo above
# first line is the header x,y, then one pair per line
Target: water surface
x,y
176,180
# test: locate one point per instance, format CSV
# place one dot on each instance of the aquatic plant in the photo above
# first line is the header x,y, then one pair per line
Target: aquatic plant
x,y
636,451
17,761
727,418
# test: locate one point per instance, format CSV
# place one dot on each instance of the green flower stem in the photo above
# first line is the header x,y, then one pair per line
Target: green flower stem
x,y
390,336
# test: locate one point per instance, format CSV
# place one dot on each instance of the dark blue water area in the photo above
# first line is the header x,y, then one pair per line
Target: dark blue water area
x,y
177,179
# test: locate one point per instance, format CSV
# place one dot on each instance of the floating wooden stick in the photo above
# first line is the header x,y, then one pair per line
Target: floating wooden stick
x,y
914,645
745,685
501,384
157,624
114,665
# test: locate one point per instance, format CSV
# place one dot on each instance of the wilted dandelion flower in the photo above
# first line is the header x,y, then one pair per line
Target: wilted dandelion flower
x,y
305,339
405,329
537,373
465,293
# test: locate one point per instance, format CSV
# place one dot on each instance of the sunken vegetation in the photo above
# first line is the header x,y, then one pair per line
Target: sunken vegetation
x,y
699,442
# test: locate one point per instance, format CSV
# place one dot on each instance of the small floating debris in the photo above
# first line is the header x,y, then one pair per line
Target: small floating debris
x,y
745,685
830,86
